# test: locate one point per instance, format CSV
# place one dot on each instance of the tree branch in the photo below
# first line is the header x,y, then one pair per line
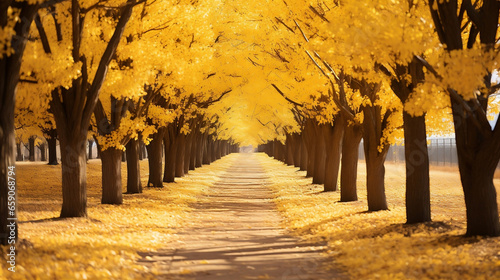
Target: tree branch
x,y
43,34
284,24
286,98
318,14
301,31
100,75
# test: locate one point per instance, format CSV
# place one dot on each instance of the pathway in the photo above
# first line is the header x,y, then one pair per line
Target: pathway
x,y
235,233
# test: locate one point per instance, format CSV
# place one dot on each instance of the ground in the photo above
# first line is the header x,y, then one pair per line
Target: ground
x,y
210,221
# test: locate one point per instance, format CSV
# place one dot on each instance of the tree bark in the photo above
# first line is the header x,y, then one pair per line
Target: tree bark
x,y
418,201
216,150
201,149
207,154
334,137
133,167
141,150
155,159
303,153
194,150
170,144
320,155
91,143
480,201
74,175
31,143
349,167
188,147
290,147
297,149
375,175
19,156
52,144
112,176
43,152
311,148
180,155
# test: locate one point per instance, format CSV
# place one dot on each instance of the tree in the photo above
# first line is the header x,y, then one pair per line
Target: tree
x,y
467,78
15,20
74,104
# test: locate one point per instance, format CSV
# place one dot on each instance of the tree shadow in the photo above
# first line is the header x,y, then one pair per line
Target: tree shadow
x,y
56,219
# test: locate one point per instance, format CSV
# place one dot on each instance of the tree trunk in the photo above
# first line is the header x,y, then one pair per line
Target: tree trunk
x,y
180,155
124,157
43,152
375,187
219,149
320,156
194,151
311,147
91,143
297,149
290,148
216,150
334,137
74,175
31,143
202,142
9,77
170,144
112,176
19,156
52,143
478,158
480,201
349,167
303,154
418,201
207,154
133,167
188,152
155,160
141,150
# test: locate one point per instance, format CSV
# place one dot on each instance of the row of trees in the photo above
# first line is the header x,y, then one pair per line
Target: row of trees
x,y
389,70
121,71
197,77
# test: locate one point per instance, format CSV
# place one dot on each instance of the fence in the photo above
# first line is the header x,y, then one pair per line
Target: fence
x,y
442,152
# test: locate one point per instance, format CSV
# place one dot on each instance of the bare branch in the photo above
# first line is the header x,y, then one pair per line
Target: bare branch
x,y
286,98
317,65
301,31
327,66
284,24
254,63
318,13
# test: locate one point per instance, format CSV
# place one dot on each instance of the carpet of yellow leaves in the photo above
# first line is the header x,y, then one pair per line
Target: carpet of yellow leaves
x,y
378,245
107,243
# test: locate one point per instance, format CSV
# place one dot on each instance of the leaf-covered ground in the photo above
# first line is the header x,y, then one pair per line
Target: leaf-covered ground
x,y
378,245
106,244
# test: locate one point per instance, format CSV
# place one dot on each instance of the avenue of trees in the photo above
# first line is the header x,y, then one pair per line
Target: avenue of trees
x,y
193,80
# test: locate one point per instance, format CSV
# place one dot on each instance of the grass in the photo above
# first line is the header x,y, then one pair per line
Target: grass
x,y
378,245
106,244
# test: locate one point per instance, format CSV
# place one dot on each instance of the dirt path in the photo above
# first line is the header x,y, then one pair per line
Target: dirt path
x,y
235,234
